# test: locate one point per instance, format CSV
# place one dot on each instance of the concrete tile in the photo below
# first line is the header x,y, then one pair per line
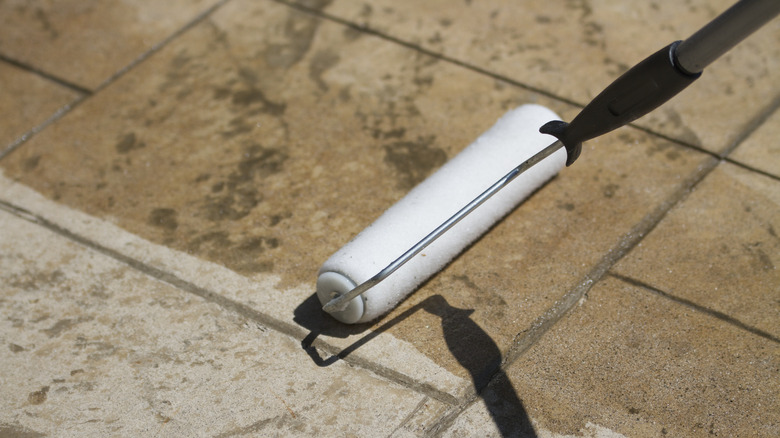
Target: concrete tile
x,y
720,249
27,100
95,348
264,139
762,150
287,310
86,42
575,49
628,362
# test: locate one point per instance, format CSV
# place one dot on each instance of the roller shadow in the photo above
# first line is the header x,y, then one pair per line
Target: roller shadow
x,y
471,346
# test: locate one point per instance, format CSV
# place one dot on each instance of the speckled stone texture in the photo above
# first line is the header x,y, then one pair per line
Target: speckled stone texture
x,y
28,100
574,49
220,151
188,166
630,362
85,42
94,347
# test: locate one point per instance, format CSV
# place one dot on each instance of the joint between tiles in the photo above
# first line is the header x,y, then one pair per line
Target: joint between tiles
x,y
497,76
227,304
36,129
752,169
48,76
86,93
415,47
751,126
692,305
528,338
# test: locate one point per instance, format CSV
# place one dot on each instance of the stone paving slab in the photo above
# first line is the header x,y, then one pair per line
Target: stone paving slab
x,y
257,298
218,173
719,249
27,100
246,142
92,347
762,150
85,42
629,362
575,49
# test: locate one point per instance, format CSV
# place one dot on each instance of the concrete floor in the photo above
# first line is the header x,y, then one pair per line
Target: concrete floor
x,y
173,174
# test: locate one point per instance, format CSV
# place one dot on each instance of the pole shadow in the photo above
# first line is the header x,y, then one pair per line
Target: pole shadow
x,y
471,346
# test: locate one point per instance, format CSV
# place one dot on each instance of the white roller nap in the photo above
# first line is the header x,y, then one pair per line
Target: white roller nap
x,y
512,140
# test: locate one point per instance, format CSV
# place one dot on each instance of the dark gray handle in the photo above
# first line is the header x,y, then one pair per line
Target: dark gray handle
x,y
724,32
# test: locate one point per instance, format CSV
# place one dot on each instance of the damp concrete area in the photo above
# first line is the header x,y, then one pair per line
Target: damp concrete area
x,y
173,175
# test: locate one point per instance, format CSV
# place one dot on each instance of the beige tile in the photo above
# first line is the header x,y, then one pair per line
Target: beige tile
x,y
630,362
287,310
92,347
264,139
574,49
26,100
86,42
720,249
762,149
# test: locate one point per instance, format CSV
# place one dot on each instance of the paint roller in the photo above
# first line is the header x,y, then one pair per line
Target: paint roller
x,y
436,220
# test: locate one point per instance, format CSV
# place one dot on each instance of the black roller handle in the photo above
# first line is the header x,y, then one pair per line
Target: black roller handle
x,y
662,75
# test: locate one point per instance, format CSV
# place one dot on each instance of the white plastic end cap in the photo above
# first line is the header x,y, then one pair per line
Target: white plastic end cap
x,y
331,285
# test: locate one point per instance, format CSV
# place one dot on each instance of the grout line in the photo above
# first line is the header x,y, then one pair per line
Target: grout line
x,y
526,339
711,312
751,126
121,72
40,127
752,169
409,417
463,64
423,50
160,45
48,76
227,304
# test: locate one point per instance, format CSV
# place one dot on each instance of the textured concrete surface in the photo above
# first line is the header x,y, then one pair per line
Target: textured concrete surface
x,y
630,362
86,42
734,273
230,201
215,158
28,100
96,347
761,149
573,49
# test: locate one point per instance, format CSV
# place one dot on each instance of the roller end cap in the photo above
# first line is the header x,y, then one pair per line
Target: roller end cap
x,y
331,285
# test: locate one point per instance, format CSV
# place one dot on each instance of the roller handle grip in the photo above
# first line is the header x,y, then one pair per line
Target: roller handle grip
x,y
638,91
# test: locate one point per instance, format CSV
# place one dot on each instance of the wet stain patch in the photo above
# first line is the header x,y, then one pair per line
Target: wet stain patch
x,y
243,255
128,142
234,197
31,163
252,95
64,325
46,25
34,281
609,190
320,63
15,431
164,218
38,397
299,29
414,160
